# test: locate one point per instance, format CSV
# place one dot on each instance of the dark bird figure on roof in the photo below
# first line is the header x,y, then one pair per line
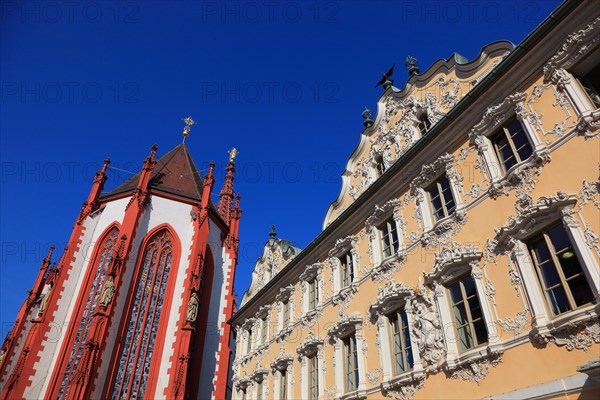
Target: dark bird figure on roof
x,y
385,78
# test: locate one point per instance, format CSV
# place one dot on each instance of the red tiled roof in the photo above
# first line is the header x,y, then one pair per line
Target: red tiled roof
x,y
174,173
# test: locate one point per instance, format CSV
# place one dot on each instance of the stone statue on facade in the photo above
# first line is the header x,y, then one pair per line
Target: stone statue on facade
x,y
44,302
428,333
192,309
107,292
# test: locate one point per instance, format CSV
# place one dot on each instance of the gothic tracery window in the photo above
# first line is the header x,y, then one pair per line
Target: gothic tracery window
x,y
100,269
136,355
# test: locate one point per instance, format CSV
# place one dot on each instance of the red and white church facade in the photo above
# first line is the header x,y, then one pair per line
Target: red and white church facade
x,y
137,305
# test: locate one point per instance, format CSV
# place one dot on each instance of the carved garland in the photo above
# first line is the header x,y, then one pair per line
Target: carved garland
x,y
344,326
451,261
576,45
530,217
389,297
310,346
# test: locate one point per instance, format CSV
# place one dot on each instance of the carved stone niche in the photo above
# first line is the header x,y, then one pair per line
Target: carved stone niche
x,y
311,272
344,327
534,216
310,346
389,298
281,362
453,261
285,293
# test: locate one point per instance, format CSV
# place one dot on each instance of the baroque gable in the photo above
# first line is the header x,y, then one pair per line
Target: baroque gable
x,y
395,128
277,253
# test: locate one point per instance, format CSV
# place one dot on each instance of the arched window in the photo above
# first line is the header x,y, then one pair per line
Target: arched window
x,y
100,268
136,355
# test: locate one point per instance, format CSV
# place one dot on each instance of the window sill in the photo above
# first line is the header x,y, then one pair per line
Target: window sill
x,y
444,227
357,394
478,355
576,329
409,380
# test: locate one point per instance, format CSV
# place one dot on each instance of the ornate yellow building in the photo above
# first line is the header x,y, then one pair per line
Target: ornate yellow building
x,y
461,258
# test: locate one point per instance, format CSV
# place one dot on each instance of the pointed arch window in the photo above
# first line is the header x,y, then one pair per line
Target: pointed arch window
x,y
136,355
100,270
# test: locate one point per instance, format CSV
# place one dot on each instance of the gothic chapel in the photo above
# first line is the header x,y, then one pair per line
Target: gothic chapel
x,y
137,305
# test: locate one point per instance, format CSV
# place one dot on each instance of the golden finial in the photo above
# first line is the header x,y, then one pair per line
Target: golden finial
x,y
232,154
188,123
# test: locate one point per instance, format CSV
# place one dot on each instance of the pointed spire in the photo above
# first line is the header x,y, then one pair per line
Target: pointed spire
x,y
46,262
149,164
91,204
226,194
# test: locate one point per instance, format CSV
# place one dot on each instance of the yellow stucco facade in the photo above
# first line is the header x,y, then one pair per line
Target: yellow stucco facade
x,y
430,279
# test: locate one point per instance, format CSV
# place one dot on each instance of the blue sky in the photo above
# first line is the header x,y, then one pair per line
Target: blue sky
x,y
284,82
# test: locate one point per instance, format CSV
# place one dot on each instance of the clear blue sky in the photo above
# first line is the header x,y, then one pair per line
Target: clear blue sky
x,y
284,82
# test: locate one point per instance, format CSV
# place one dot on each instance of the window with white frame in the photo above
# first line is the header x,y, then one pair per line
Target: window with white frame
x,y
346,335
286,312
259,390
400,341
285,307
578,54
437,194
282,369
389,240
379,165
459,286
350,363
313,294
505,138
469,322
424,123
250,341
264,330
310,353
283,384
512,144
313,378
441,200
346,269
590,82
559,271
343,261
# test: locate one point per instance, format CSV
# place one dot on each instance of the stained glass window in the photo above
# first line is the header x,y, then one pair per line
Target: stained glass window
x,y
85,321
138,347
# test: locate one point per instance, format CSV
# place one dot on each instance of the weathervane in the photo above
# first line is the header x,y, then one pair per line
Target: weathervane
x,y
385,78
188,123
